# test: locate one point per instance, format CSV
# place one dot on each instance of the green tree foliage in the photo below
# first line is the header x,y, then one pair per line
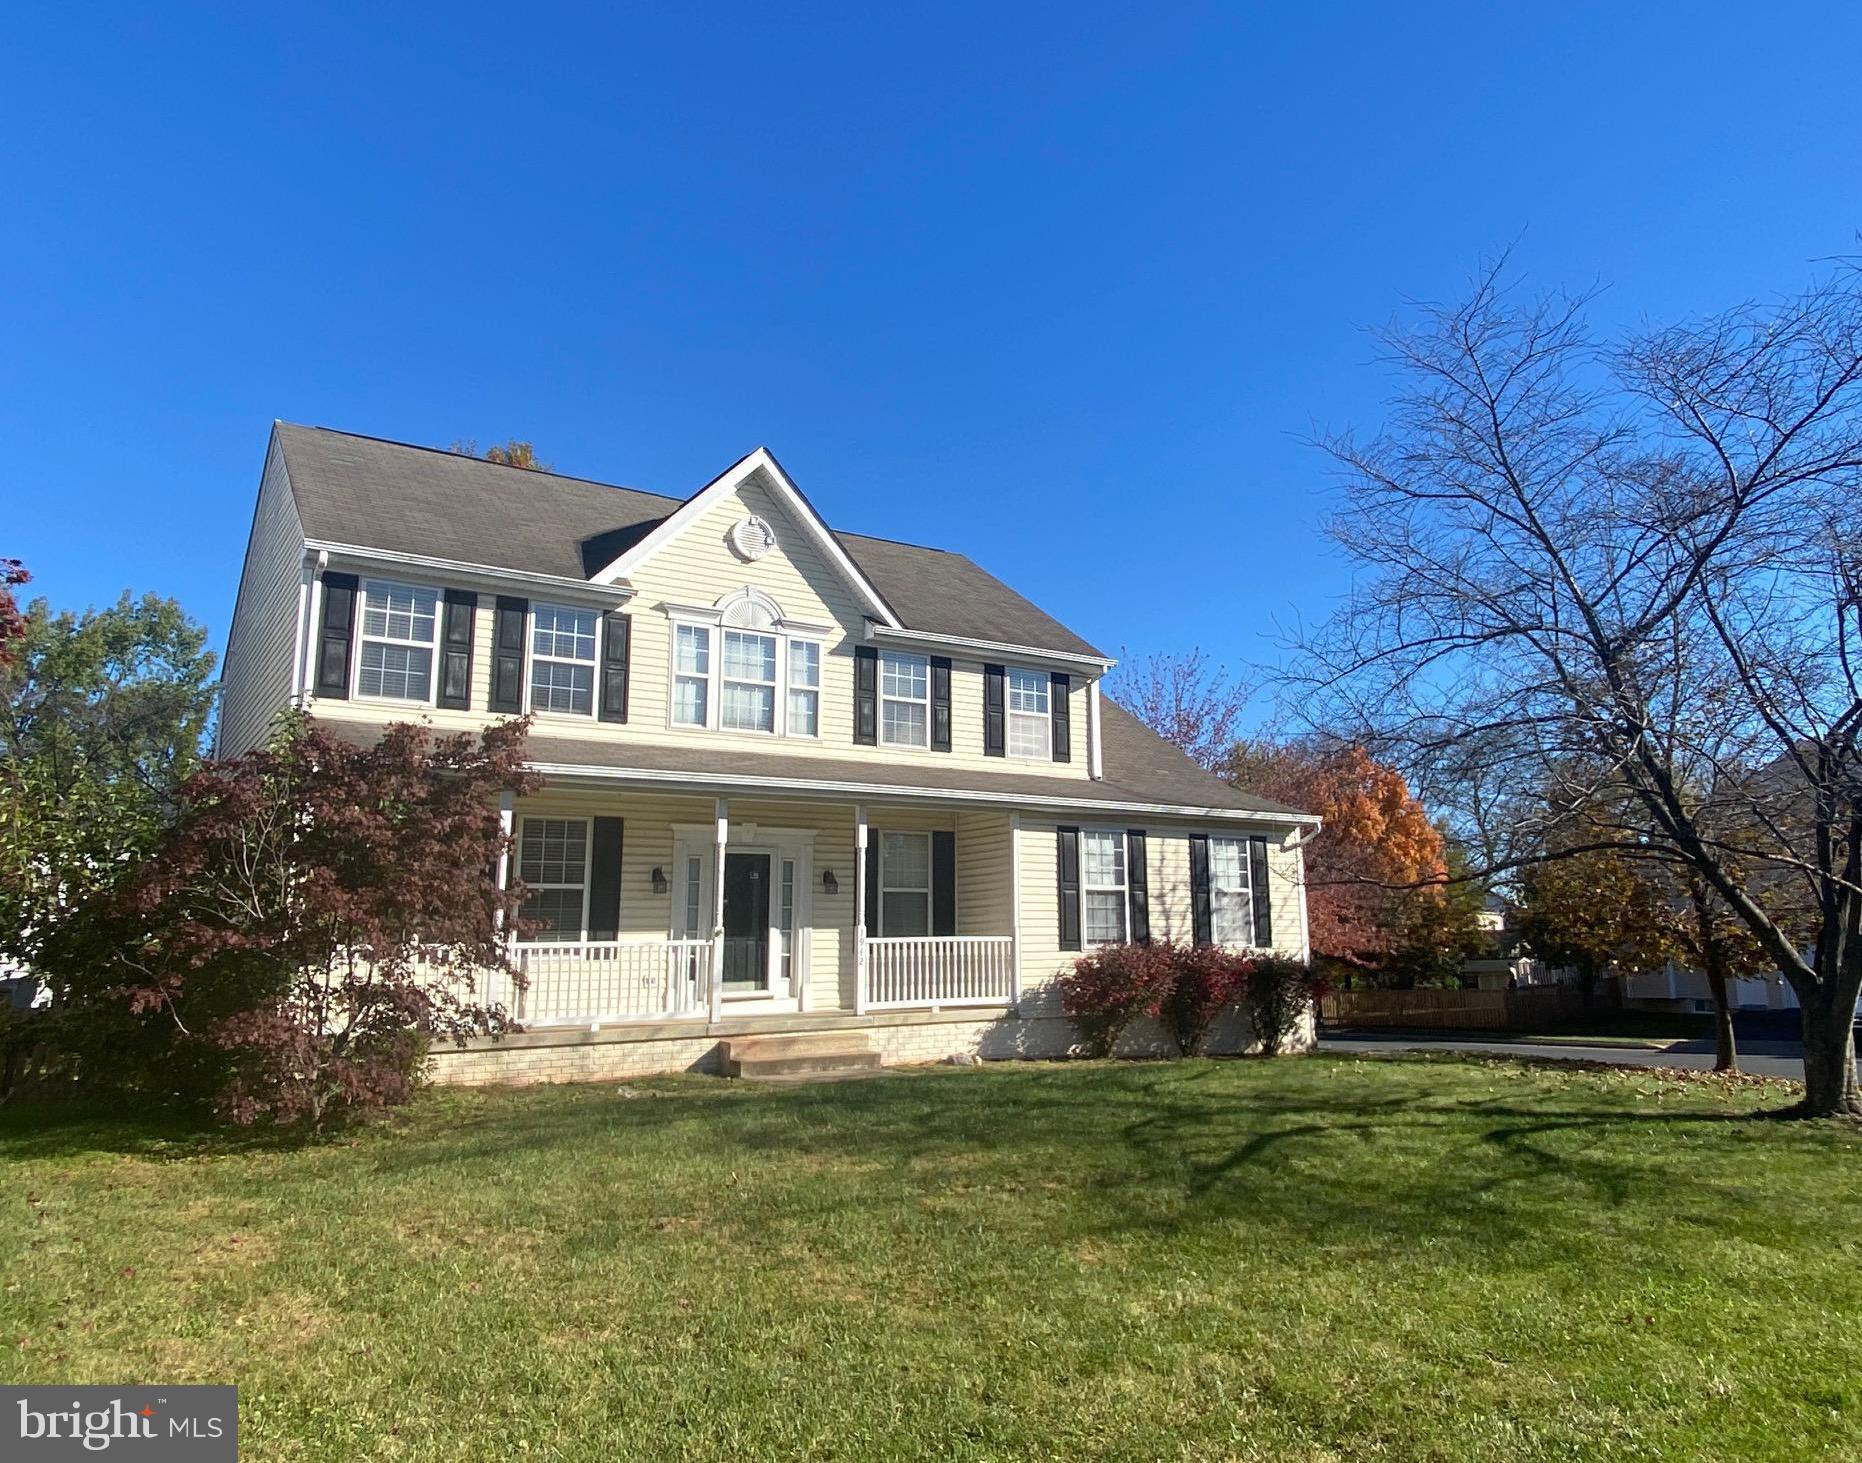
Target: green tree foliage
x,y
102,717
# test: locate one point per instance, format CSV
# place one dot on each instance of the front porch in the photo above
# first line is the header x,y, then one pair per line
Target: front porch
x,y
652,909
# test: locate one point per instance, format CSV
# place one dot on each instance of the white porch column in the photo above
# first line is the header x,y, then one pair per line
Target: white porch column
x,y
1095,764
860,896
507,821
723,837
1015,916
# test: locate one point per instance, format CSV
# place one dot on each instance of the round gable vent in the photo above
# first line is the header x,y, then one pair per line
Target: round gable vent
x,y
752,538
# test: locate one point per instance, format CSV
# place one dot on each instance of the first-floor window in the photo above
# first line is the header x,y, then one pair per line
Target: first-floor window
x,y
804,688
552,860
562,671
904,884
1102,885
1029,729
691,675
1231,909
904,699
749,697
397,641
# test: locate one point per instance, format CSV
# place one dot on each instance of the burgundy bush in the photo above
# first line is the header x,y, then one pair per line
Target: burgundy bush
x,y
1281,991
315,914
1111,986
1208,981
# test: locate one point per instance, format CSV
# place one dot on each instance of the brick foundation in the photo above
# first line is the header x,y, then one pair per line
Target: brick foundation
x,y
902,1039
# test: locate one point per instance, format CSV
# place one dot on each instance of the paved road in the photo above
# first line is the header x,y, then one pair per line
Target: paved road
x,y
1760,1058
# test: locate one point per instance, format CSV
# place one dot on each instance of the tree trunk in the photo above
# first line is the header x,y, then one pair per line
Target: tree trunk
x,y
1725,1050
1713,957
1830,1054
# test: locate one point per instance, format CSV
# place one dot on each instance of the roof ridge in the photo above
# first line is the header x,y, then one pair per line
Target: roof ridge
x,y
567,477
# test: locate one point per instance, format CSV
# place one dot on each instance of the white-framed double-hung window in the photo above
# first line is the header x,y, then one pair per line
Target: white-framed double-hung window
x,y
399,624
562,660
904,884
691,675
1104,892
804,710
748,702
1231,901
1031,730
552,860
904,699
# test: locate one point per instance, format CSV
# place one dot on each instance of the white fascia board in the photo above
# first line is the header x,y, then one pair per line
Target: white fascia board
x,y
799,507
367,560
1090,665
762,784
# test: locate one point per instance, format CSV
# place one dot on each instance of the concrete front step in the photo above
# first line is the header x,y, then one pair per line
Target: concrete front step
x,y
821,1052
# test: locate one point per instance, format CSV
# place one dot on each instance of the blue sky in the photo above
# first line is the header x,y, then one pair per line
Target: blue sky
x,y
1065,288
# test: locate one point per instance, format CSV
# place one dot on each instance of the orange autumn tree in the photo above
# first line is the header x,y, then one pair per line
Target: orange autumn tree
x,y
1378,858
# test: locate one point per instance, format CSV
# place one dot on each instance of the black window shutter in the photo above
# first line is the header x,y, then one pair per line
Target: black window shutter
x,y
1260,898
1062,711
1067,866
866,695
335,635
995,737
616,631
943,883
1199,889
872,884
507,654
940,703
1139,886
456,650
604,881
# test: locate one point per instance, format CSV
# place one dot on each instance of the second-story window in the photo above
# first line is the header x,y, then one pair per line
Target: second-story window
x,y
748,702
397,641
1030,729
904,699
804,688
562,669
691,675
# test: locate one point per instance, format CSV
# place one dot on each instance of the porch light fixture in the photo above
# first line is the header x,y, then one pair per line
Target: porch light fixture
x,y
829,882
660,886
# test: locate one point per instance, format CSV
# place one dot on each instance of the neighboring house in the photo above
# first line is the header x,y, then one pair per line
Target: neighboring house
x,y
797,779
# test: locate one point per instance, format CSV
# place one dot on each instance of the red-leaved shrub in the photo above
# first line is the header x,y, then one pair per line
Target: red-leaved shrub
x,y
1280,993
1111,986
1208,981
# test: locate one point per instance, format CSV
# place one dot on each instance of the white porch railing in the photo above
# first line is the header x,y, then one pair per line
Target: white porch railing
x,y
939,970
609,980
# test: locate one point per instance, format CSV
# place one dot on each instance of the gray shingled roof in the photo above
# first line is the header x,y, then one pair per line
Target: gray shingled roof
x,y
1140,768
423,500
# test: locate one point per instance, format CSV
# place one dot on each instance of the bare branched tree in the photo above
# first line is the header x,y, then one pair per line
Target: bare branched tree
x,y
1630,578
1188,701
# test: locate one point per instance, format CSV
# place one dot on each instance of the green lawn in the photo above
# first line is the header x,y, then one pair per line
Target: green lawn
x,y
1314,1259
